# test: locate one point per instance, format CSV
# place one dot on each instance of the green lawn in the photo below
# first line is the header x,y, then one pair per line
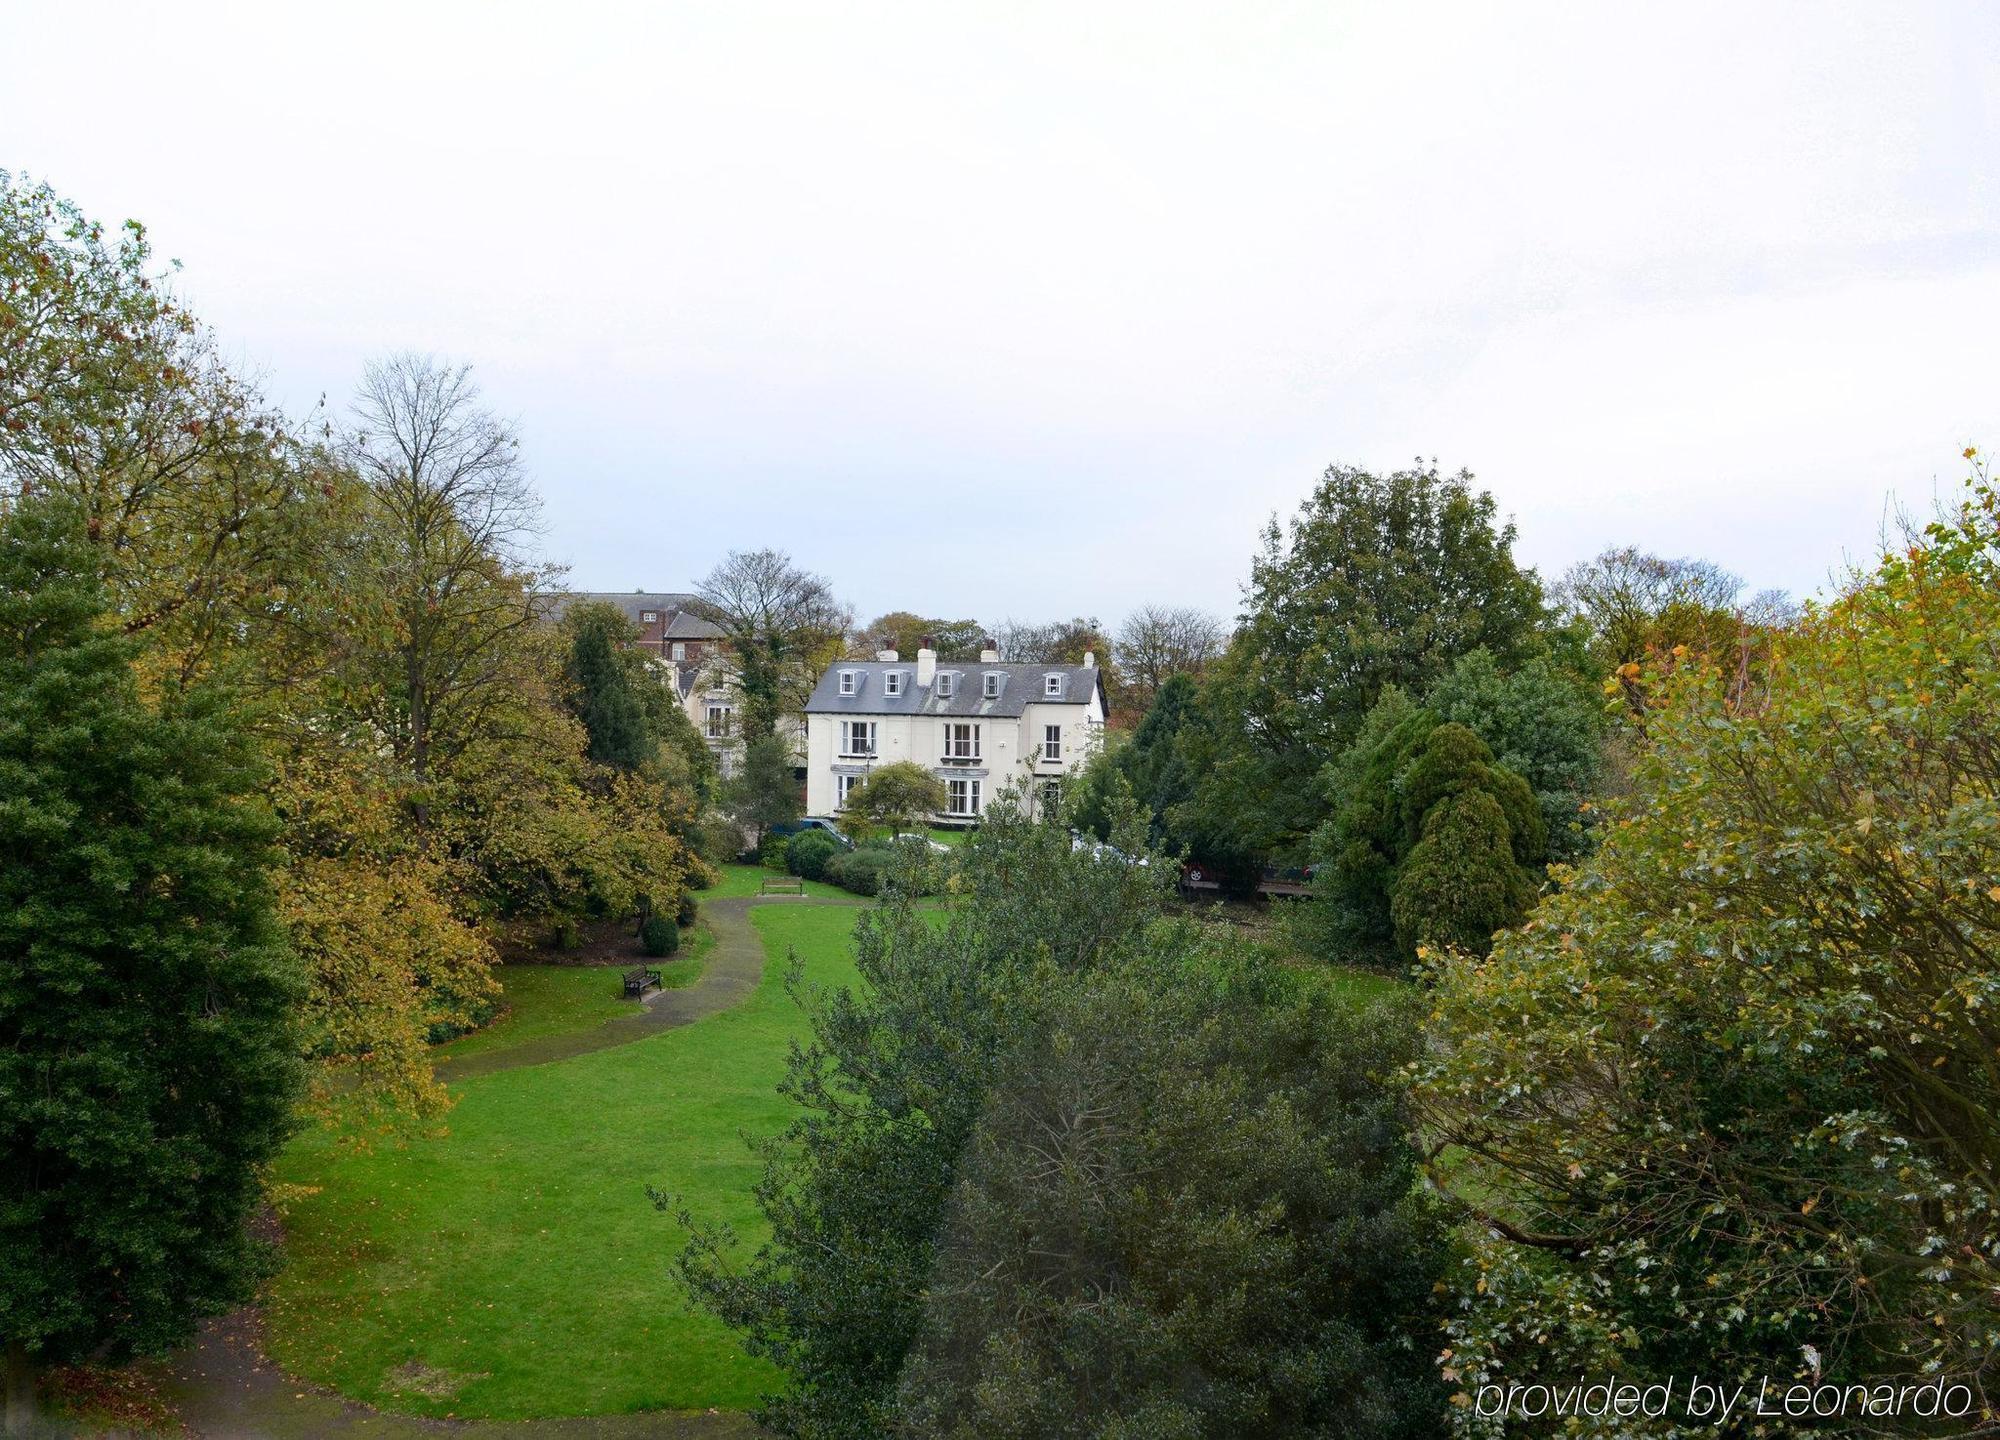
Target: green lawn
x,y
512,1266
550,999
744,880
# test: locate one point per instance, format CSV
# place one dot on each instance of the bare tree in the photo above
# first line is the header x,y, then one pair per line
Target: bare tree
x,y
1158,642
1627,602
784,626
451,517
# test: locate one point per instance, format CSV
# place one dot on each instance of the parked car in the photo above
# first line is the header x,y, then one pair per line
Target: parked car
x,y
812,822
911,839
1101,851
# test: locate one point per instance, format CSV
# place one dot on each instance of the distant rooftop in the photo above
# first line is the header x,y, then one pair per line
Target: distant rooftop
x,y
675,607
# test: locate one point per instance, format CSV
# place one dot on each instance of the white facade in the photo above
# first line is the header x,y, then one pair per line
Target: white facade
x,y
979,726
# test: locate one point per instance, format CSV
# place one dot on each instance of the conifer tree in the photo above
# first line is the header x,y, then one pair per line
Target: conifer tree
x,y
147,1063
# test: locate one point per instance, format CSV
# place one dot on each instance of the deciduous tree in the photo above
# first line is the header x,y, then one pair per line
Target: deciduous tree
x,y
784,627
1158,642
1378,580
1731,1099
899,797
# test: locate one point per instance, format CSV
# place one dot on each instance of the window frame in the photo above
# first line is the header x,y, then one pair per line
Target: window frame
x,y
952,739
892,683
966,786
1052,743
992,687
1052,686
850,682
712,709
848,731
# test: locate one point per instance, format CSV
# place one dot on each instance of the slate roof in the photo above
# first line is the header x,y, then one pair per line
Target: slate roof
x,y
683,623
1020,687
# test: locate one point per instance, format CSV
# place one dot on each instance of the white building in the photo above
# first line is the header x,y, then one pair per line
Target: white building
x,y
978,726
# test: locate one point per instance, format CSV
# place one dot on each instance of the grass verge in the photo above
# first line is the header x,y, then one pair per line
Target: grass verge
x,y
511,1265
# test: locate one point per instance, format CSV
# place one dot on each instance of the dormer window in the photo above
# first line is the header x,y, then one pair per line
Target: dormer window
x,y
947,685
648,616
892,682
992,685
1052,685
850,682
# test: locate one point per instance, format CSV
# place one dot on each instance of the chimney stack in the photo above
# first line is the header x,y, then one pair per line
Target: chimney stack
x,y
989,651
926,661
887,655
1090,659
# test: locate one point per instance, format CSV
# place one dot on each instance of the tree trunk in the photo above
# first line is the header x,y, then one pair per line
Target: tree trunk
x,y
21,1411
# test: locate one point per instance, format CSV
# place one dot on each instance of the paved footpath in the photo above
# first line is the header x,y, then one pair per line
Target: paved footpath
x,y
225,1388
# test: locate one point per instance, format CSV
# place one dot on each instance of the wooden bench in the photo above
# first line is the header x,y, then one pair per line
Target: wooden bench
x,y
782,885
641,978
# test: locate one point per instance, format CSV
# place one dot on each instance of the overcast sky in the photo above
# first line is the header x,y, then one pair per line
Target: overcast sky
x,y
1019,309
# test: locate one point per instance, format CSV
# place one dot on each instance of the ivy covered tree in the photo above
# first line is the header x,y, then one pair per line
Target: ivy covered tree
x,y
147,1060
605,693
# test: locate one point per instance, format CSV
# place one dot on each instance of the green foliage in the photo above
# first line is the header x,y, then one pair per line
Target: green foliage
x,y
659,936
1186,1209
774,851
1225,1240
606,676
718,840
147,1060
685,912
1544,726
861,870
891,1086
1378,581
765,792
1428,841
808,853
898,797
1732,1095
1460,882
367,600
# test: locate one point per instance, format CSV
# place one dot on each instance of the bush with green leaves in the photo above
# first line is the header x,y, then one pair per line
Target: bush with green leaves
x,y
686,911
809,852
772,850
659,936
860,870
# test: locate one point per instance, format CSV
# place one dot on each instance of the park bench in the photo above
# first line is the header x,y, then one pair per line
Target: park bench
x,y
782,885
640,977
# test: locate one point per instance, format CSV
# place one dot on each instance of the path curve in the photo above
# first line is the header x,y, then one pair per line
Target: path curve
x,y
730,975
226,1389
